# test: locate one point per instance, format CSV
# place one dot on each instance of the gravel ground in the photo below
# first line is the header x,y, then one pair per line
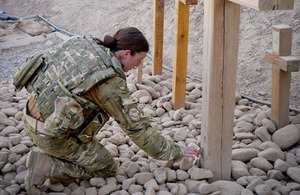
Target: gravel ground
x,y
265,160
11,59
254,72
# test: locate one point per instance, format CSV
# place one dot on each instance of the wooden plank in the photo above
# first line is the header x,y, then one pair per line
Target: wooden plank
x,y
282,40
158,36
140,73
266,4
180,54
285,63
221,34
281,83
189,2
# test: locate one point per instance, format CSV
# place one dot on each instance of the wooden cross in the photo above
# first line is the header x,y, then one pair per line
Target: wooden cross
x,y
282,66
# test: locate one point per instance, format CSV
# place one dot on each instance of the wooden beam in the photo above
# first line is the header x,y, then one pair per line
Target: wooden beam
x,y
189,2
158,36
280,100
180,56
282,40
266,4
221,34
286,63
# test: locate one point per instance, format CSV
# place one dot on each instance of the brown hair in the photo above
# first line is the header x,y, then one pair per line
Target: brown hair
x,y
129,38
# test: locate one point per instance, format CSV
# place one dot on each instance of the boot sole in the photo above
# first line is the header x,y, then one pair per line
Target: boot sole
x,y
31,188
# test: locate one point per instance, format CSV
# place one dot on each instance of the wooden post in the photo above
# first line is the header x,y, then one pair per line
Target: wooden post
x,y
180,56
221,35
158,36
140,73
282,66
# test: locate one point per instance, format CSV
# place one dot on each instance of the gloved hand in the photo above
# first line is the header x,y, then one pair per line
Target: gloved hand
x,y
193,153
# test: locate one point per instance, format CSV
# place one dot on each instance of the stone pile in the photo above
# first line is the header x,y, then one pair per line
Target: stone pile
x,y
265,160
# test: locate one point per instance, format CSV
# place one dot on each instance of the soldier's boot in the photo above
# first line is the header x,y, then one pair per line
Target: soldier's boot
x,y
39,167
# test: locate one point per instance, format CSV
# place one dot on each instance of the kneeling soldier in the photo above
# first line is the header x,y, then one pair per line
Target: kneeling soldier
x,y
74,89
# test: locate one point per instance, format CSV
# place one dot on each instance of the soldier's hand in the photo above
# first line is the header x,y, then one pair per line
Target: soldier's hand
x,y
192,153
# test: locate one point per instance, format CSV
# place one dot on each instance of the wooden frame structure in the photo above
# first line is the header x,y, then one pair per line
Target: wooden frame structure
x,y
221,35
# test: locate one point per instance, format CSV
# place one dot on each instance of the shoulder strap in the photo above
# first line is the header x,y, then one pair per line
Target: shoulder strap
x,y
27,70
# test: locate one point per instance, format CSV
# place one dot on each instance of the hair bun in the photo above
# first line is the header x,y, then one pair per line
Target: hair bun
x,y
109,42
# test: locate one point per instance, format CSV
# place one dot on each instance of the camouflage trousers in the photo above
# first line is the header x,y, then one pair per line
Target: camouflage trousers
x,y
71,158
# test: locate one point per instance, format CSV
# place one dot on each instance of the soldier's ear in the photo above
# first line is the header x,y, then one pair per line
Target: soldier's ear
x,y
126,53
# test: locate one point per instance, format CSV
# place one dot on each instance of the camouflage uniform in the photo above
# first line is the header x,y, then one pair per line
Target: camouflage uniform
x,y
76,89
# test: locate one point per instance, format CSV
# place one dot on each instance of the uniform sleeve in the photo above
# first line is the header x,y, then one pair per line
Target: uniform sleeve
x,y
113,96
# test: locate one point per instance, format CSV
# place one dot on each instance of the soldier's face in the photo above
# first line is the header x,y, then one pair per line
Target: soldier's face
x,y
131,61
